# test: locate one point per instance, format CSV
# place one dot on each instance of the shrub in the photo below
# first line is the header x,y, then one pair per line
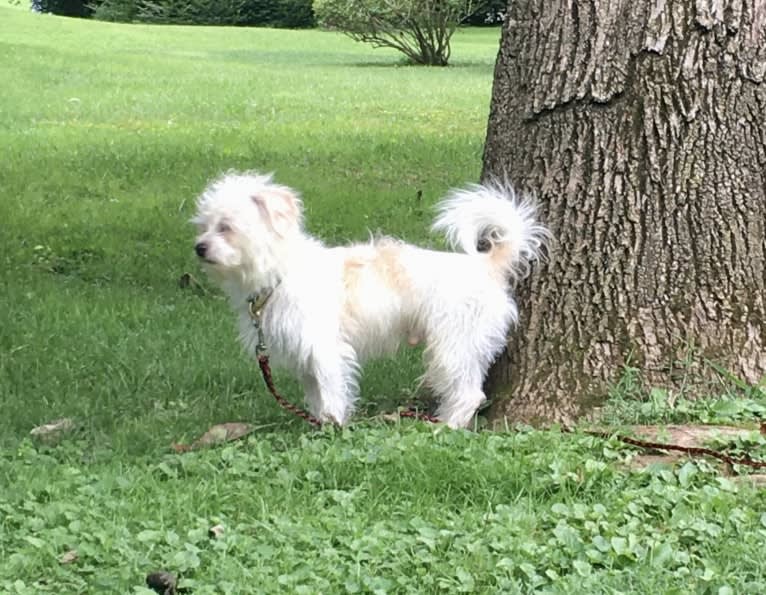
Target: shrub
x,y
289,14
189,12
272,13
121,11
67,8
420,29
491,13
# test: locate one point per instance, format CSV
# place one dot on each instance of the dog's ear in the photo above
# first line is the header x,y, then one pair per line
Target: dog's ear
x,y
280,207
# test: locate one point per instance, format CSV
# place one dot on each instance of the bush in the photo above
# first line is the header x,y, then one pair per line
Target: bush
x,y
189,12
492,13
67,8
275,13
420,29
289,14
120,11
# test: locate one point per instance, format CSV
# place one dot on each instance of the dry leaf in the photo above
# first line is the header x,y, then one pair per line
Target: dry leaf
x,y
688,435
162,582
641,461
54,429
217,434
390,417
68,557
187,280
757,480
216,531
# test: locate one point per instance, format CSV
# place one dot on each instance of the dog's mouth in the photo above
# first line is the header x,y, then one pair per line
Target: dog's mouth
x,y
207,261
218,266
210,264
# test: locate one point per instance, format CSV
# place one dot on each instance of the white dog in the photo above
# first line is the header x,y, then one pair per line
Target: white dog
x,y
329,309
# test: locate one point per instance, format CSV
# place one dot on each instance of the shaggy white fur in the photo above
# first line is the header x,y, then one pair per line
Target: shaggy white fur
x,y
333,308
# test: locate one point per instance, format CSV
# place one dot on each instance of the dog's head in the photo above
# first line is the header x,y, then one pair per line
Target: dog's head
x,y
245,222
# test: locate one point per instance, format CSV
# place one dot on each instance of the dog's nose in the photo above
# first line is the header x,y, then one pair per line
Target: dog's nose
x,y
200,248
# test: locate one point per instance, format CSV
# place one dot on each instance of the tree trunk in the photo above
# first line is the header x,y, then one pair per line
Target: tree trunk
x,y
641,127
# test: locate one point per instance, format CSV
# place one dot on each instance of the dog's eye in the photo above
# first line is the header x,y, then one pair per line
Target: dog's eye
x,y
224,228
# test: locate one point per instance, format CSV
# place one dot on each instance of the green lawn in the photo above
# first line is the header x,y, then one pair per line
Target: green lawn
x,y
107,133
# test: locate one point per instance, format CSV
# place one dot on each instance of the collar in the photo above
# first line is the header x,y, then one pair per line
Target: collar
x,y
258,299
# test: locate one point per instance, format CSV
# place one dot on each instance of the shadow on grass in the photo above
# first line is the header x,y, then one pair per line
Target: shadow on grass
x,y
478,65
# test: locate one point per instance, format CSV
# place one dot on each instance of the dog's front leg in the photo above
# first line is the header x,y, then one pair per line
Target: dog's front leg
x,y
312,395
330,389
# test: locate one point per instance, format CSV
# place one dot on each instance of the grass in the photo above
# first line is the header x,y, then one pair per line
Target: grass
x,y
375,510
108,133
111,131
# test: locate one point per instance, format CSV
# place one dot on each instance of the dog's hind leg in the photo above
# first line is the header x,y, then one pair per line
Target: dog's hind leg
x,y
458,406
457,359
456,377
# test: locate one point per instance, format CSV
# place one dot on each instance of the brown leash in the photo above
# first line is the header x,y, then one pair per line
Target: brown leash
x,y
256,303
695,451
263,363
420,415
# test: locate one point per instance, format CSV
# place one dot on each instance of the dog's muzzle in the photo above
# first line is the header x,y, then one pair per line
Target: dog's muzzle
x,y
201,249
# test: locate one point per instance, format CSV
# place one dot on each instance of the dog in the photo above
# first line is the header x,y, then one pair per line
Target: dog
x,y
326,310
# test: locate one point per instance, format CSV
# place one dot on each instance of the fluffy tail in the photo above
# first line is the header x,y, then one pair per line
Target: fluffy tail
x,y
491,219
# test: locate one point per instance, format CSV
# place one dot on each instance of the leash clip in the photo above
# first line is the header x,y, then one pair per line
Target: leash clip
x,y
254,309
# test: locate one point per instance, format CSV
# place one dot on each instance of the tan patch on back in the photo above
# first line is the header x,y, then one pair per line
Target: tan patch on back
x,y
370,272
377,284
382,260
352,268
387,264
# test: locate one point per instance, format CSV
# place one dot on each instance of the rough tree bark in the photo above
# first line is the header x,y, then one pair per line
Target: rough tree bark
x,y
641,126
